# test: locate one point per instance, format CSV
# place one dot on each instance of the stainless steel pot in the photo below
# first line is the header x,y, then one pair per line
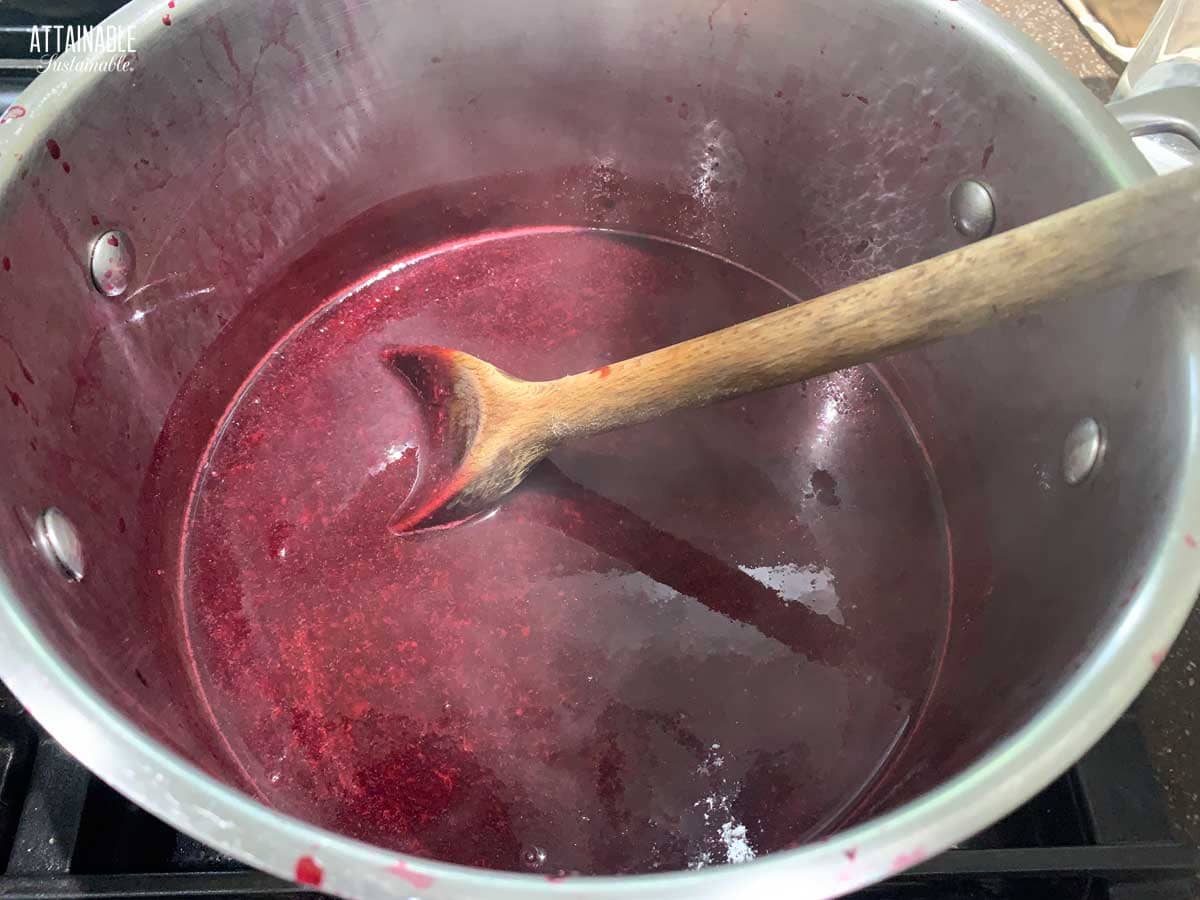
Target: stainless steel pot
x,y
247,132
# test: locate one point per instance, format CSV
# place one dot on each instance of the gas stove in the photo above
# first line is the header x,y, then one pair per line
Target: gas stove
x,y
1099,832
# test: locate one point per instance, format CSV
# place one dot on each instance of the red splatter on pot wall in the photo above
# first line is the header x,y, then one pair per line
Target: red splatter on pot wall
x,y
909,859
418,880
309,871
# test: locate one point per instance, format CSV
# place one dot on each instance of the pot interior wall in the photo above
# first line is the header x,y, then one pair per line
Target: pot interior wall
x,y
819,142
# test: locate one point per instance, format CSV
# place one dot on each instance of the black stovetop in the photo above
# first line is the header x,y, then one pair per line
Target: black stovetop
x,y
1100,832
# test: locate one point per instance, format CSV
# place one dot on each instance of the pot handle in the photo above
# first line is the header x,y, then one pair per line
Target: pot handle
x,y
1158,97
1170,110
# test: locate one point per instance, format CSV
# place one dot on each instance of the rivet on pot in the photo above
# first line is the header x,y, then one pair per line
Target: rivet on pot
x,y
112,263
59,542
972,209
1082,451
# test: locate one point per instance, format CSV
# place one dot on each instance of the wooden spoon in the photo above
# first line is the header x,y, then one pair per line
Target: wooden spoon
x,y
486,429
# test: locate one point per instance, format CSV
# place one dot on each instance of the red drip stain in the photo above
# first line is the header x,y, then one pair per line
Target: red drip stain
x,y
852,854
556,879
121,524
95,220
55,150
602,371
67,167
114,241
1190,541
13,112
14,397
669,98
861,99
845,95
987,154
419,880
1157,657
435,59
905,860
171,4
779,93
166,19
7,263
683,111
309,871
937,126
954,28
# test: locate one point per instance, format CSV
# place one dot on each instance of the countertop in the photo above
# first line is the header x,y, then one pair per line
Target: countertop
x,y
1049,23
1167,708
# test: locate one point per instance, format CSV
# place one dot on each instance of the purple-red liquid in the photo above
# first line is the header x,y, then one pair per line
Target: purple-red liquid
x,y
687,643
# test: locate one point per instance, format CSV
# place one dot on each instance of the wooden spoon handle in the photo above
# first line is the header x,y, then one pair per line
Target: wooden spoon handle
x,y
1132,235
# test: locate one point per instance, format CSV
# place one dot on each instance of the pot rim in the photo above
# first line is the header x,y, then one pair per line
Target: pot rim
x,y
1007,775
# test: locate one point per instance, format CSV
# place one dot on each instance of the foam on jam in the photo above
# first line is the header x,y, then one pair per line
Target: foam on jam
x,y
683,644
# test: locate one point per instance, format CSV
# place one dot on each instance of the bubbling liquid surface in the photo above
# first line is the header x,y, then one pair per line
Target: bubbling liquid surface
x,y
687,643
